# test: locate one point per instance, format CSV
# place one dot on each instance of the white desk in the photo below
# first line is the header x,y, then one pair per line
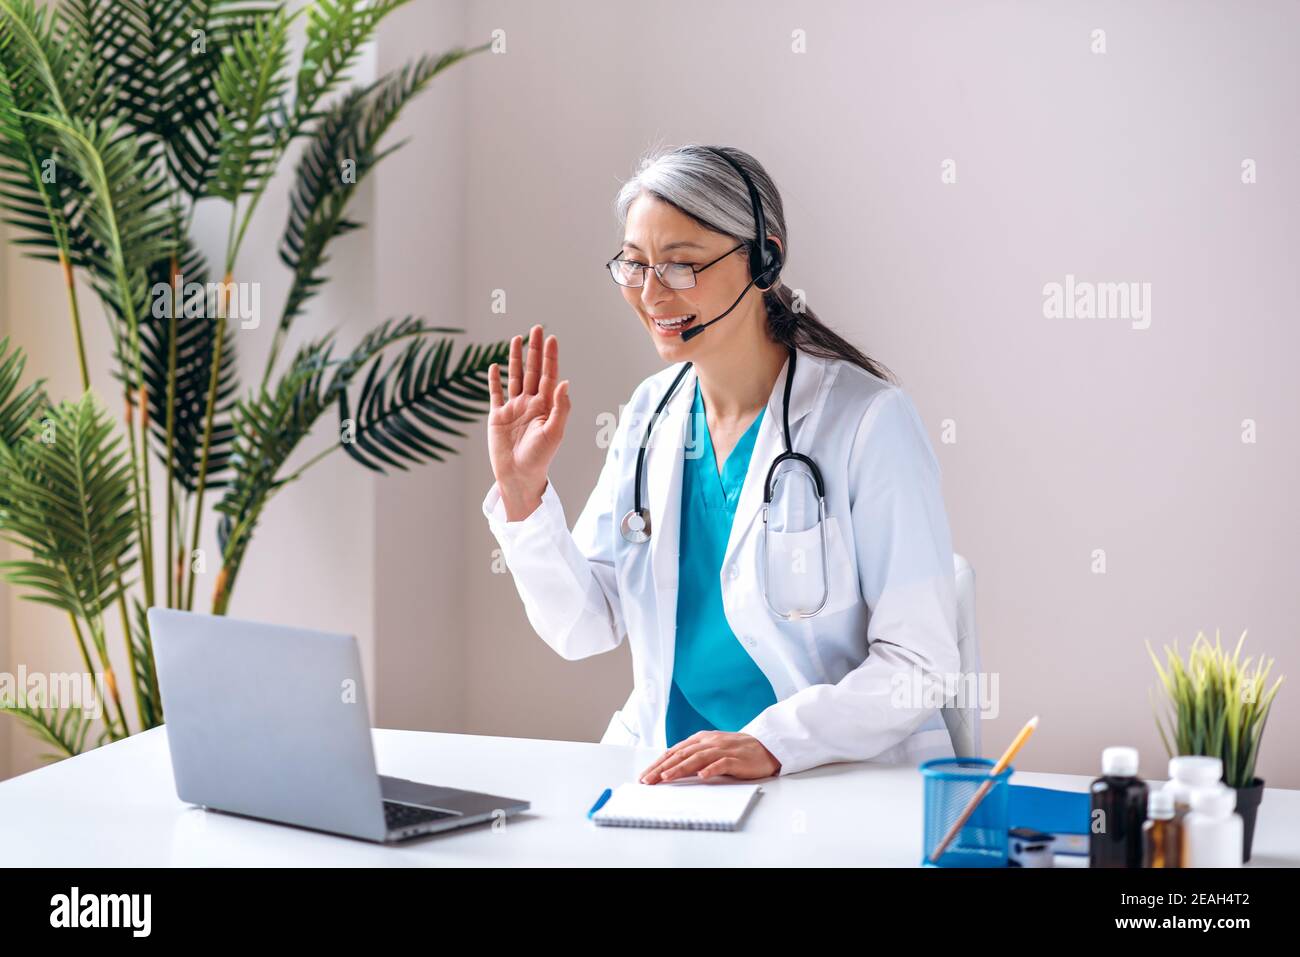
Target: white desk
x,y
117,806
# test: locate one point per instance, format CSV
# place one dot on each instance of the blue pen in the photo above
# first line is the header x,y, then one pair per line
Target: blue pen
x,y
600,803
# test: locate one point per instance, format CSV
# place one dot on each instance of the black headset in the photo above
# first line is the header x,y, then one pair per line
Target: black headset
x,y
765,259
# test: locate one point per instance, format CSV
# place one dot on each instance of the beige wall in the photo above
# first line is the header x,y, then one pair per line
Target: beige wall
x,y
420,609
1071,435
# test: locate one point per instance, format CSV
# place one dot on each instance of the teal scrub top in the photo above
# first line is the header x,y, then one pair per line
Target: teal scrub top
x,y
716,684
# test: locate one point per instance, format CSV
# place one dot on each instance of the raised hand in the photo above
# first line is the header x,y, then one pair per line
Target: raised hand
x,y
526,423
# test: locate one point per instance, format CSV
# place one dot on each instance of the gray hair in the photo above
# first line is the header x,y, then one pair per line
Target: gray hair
x,y
705,187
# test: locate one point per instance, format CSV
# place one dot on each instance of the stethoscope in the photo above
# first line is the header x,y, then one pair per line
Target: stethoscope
x,y
636,523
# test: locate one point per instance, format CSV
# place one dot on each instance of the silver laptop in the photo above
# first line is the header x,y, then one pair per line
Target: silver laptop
x,y
271,722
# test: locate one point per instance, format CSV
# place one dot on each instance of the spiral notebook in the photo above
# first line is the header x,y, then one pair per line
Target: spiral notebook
x,y
689,806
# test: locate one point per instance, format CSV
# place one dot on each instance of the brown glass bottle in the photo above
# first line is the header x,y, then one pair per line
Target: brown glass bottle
x,y
1119,807
1162,844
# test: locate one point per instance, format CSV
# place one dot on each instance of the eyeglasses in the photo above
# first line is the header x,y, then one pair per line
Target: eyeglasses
x,y
628,272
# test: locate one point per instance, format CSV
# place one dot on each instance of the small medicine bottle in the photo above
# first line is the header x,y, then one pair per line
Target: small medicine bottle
x,y
1213,829
1161,834
1188,772
1119,807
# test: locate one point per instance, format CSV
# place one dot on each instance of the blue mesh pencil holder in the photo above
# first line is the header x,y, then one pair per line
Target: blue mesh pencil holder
x,y
950,783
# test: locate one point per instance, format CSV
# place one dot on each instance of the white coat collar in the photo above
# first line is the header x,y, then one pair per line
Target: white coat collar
x,y
808,373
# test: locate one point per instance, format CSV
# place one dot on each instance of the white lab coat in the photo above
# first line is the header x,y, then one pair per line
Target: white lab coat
x,y
890,556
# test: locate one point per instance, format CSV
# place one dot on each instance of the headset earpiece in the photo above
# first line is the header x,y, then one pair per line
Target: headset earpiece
x,y
769,266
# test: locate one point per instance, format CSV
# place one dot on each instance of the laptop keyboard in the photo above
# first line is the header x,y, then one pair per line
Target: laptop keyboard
x,y
405,815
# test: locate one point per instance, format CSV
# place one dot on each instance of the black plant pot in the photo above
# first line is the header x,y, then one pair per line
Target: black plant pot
x,y
1248,799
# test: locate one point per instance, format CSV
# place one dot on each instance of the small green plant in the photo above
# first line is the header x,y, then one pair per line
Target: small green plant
x,y
1217,705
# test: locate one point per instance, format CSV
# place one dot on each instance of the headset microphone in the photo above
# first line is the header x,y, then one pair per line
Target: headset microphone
x,y
691,333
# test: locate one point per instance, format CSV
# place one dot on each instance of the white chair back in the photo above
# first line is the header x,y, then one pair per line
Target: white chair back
x,y
964,722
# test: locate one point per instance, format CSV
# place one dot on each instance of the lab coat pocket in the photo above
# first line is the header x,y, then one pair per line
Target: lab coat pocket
x,y
796,577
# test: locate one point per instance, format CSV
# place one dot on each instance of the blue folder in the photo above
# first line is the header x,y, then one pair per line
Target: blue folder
x,y
1063,814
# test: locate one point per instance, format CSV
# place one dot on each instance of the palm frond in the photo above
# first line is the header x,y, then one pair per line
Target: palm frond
x,y
195,342
17,407
388,333
349,132
30,199
91,35
62,728
165,56
34,34
317,203
126,217
251,84
269,425
68,499
146,675
42,200
401,407
336,32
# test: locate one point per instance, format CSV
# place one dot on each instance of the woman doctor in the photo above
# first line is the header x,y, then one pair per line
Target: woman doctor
x,y
758,647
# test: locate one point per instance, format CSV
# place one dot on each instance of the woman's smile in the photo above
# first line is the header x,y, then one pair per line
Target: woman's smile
x,y
673,325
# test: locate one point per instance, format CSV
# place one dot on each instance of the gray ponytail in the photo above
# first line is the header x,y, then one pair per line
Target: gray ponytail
x,y
705,187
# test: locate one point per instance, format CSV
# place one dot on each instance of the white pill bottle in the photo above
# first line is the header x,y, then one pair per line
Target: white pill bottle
x,y
1212,831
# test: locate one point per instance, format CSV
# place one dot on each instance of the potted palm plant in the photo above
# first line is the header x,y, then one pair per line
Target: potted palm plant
x,y
117,117
1217,706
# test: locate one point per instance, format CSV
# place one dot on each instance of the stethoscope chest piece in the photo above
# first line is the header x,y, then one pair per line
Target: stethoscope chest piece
x,y
636,526
636,523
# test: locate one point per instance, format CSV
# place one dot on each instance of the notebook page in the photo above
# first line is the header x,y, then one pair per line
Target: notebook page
x,y
704,806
